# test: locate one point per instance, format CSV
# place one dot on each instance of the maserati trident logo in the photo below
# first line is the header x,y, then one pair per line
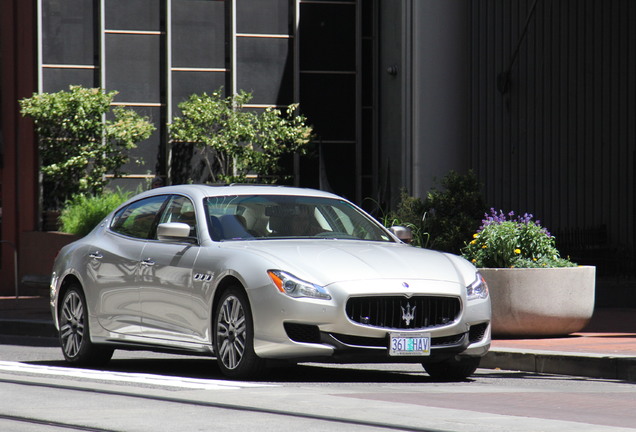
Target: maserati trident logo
x,y
408,314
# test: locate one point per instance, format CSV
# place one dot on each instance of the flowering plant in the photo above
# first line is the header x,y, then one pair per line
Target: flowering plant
x,y
513,241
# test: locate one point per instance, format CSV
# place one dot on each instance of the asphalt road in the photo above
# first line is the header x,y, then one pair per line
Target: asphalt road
x,y
141,391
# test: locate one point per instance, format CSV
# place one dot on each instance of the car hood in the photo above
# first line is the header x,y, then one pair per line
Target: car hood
x,y
329,261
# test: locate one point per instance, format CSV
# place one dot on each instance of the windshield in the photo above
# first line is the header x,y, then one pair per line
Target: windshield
x,y
253,217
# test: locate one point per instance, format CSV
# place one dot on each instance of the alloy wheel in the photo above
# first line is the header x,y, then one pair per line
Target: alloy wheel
x,y
72,324
231,332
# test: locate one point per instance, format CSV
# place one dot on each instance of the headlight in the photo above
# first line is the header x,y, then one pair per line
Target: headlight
x,y
295,287
478,289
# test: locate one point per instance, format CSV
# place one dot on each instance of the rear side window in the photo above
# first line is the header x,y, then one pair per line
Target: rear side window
x,y
138,219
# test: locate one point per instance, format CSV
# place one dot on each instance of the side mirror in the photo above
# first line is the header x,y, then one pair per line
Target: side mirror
x,y
174,231
403,233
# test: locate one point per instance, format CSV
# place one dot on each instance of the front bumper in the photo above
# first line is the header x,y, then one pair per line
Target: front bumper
x,y
350,349
308,330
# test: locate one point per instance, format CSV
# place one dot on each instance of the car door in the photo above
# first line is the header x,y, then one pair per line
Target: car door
x,y
166,279
114,264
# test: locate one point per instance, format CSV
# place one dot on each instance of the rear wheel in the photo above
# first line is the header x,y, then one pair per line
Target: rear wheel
x,y
234,336
75,334
453,369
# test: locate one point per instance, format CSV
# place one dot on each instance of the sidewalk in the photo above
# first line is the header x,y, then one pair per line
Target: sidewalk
x,y
606,348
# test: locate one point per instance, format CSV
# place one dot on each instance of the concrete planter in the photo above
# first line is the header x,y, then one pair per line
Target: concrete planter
x,y
540,302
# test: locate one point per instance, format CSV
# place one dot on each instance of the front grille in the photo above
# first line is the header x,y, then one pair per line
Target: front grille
x,y
400,312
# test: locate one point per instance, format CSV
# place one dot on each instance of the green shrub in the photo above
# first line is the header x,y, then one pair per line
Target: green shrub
x,y
77,146
409,213
233,142
453,213
82,213
513,241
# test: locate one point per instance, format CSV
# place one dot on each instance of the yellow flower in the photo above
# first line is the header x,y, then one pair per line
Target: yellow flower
x,y
474,261
517,251
475,235
473,242
484,246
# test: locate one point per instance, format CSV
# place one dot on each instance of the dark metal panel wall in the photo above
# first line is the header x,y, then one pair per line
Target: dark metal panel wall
x,y
557,138
18,155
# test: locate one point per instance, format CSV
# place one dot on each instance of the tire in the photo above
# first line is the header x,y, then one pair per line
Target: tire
x,y
234,336
453,369
75,333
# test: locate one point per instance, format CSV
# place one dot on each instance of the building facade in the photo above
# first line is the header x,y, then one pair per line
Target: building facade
x,y
157,53
536,96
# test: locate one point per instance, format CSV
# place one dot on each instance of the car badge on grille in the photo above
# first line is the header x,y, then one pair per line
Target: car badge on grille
x,y
408,314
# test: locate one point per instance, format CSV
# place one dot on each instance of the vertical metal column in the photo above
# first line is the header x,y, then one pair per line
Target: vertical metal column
x,y
102,52
375,128
358,120
102,44
407,95
296,74
39,47
233,61
168,71
168,92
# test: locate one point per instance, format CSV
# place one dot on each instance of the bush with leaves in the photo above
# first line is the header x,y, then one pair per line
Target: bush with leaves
x,y
234,142
513,241
77,146
409,213
82,212
453,214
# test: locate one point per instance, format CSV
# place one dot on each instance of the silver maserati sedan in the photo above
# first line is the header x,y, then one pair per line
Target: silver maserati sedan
x,y
257,275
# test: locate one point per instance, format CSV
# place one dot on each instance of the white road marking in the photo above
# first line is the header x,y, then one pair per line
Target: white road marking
x,y
129,378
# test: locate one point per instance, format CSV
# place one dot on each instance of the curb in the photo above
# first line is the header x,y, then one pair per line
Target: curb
x,y
590,365
33,328
562,363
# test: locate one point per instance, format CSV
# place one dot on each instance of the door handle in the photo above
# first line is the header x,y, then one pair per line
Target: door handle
x,y
96,255
148,262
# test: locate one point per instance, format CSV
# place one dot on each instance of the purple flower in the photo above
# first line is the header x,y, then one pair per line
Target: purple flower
x,y
498,217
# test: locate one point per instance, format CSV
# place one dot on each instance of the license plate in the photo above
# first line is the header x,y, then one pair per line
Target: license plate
x,y
409,344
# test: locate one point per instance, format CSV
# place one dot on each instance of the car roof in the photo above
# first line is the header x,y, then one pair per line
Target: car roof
x,y
201,190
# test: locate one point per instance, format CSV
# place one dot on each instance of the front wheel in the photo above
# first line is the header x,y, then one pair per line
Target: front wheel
x,y
74,332
453,369
234,336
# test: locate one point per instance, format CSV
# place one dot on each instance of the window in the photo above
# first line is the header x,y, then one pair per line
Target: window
x,y
68,32
253,217
180,209
138,219
133,67
264,67
198,35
